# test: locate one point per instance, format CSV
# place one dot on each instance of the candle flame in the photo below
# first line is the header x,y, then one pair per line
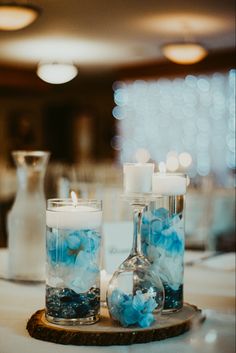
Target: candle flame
x,y
162,167
74,198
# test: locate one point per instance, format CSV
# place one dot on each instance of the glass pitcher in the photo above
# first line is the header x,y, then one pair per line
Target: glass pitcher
x,y
26,220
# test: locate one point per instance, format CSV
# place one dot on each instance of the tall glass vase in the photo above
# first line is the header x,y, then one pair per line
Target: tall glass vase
x,y
163,244
26,219
135,294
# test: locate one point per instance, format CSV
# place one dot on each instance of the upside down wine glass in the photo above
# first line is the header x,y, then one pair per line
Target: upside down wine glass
x,y
135,294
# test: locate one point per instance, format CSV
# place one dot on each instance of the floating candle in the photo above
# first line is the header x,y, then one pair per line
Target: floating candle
x,y
138,177
71,217
169,184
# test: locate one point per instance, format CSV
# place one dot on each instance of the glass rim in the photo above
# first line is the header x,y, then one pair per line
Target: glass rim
x,y
54,203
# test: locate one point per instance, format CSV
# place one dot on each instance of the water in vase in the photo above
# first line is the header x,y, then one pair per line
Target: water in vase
x,y
163,244
73,265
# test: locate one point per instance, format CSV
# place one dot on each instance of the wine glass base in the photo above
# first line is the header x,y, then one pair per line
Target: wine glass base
x,y
170,311
73,322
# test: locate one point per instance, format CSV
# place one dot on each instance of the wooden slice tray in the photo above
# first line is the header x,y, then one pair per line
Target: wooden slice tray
x,y
106,332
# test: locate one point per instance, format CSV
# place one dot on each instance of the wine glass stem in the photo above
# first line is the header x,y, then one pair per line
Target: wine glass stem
x,y
137,222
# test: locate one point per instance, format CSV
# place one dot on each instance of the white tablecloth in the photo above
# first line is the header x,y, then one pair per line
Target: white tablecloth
x,y
205,287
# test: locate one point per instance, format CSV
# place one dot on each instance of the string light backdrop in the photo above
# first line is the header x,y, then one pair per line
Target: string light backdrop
x,y
186,122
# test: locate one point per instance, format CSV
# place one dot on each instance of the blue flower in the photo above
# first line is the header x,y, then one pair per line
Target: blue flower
x,y
163,216
146,320
64,246
150,305
146,219
163,232
116,303
73,240
90,240
161,213
171,241
157,225
130,316
83,259
132,310
139,300
58,251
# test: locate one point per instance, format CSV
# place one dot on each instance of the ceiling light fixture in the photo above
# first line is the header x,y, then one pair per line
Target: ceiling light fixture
x,y
16,15
57,73
184,52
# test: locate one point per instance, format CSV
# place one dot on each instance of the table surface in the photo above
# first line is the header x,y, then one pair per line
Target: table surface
x,y
210,285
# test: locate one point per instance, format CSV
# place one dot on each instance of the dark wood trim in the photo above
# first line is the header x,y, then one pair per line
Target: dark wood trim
x,y
14,77
25,79
215,61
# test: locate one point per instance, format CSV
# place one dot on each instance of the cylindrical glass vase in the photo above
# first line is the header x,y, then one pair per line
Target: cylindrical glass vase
x,y
73,247
163,244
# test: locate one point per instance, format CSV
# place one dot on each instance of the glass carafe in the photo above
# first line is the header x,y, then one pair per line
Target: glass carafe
x,y
26,219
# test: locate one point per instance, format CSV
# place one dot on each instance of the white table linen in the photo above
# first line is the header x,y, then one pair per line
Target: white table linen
x,y
208,285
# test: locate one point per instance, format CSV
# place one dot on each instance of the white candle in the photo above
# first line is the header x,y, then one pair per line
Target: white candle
x,y
138,177
71,217
169,184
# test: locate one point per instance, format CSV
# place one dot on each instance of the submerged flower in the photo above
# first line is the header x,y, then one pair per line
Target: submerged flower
x,y
130,316
73,241
58,250
164,232
146,320
164,247
170,268
133,310
64,246
139,300
90,240
170,241
163,216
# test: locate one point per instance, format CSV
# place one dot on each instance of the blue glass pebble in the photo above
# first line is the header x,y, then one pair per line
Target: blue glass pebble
x,y
65,303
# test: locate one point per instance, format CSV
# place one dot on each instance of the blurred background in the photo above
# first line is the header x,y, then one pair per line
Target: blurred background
x,y
99,83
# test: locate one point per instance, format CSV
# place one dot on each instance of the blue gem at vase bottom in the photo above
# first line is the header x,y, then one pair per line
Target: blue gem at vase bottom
x,y
66,304
173,298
